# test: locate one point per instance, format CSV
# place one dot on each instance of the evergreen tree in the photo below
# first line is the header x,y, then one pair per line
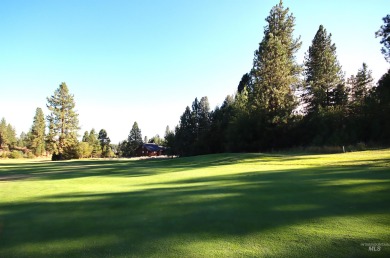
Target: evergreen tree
x,y
7,135
193,133
114,149
3,134
271,91
103,138
85,150
244,83
221,119
350,82
169,141
384,32
11,135
85,136
322,72
167,131
23,140
38,133
240,133
51,138
204,124
381,123
325,93
94,143
361,84
134,139
359,115
63,124
204,115
185,134
194,121
123,149
104,143
382,91
340,95
157,140
275,71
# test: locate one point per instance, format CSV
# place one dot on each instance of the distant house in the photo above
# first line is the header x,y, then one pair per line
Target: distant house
x,y
149,149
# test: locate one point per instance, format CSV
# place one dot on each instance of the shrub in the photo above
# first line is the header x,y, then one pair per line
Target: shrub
x,y
29,155
84,150
361,146
324,149
4,155
15,154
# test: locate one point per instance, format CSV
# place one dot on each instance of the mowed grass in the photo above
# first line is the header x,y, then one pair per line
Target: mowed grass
x,y
225,205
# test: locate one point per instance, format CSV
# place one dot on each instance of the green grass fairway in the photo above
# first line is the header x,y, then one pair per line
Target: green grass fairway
x,y
225,205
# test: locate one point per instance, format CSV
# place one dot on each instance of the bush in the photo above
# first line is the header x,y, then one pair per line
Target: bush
x,y
361,146
4,155
84,150
29,155
56,157
15,154
324,149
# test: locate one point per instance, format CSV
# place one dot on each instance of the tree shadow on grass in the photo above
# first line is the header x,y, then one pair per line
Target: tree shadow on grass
x,y
74,169
47,170
165,218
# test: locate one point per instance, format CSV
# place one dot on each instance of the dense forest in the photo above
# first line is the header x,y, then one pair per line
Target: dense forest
x,y
279,104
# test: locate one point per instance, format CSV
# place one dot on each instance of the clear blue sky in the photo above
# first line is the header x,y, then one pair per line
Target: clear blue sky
x,y
146,60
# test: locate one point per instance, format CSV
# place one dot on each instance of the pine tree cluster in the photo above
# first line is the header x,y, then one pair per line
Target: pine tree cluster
x,y
280,104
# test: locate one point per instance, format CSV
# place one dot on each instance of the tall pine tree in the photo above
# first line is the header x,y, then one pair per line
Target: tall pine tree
x,y
323,73
3,134
134,139
204,124
275,71
63,123
169,141
7,135
382,111
85,136
104,143
361,84
185,134
274,78
94,143
38,133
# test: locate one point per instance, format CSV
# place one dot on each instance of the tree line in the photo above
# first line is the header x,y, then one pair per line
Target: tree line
x,y
278,104
61,140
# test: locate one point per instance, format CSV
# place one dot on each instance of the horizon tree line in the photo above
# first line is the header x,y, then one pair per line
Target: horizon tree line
x,y
280,104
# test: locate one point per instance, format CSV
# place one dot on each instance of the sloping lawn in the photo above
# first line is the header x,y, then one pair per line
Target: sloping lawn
x,y
226,205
